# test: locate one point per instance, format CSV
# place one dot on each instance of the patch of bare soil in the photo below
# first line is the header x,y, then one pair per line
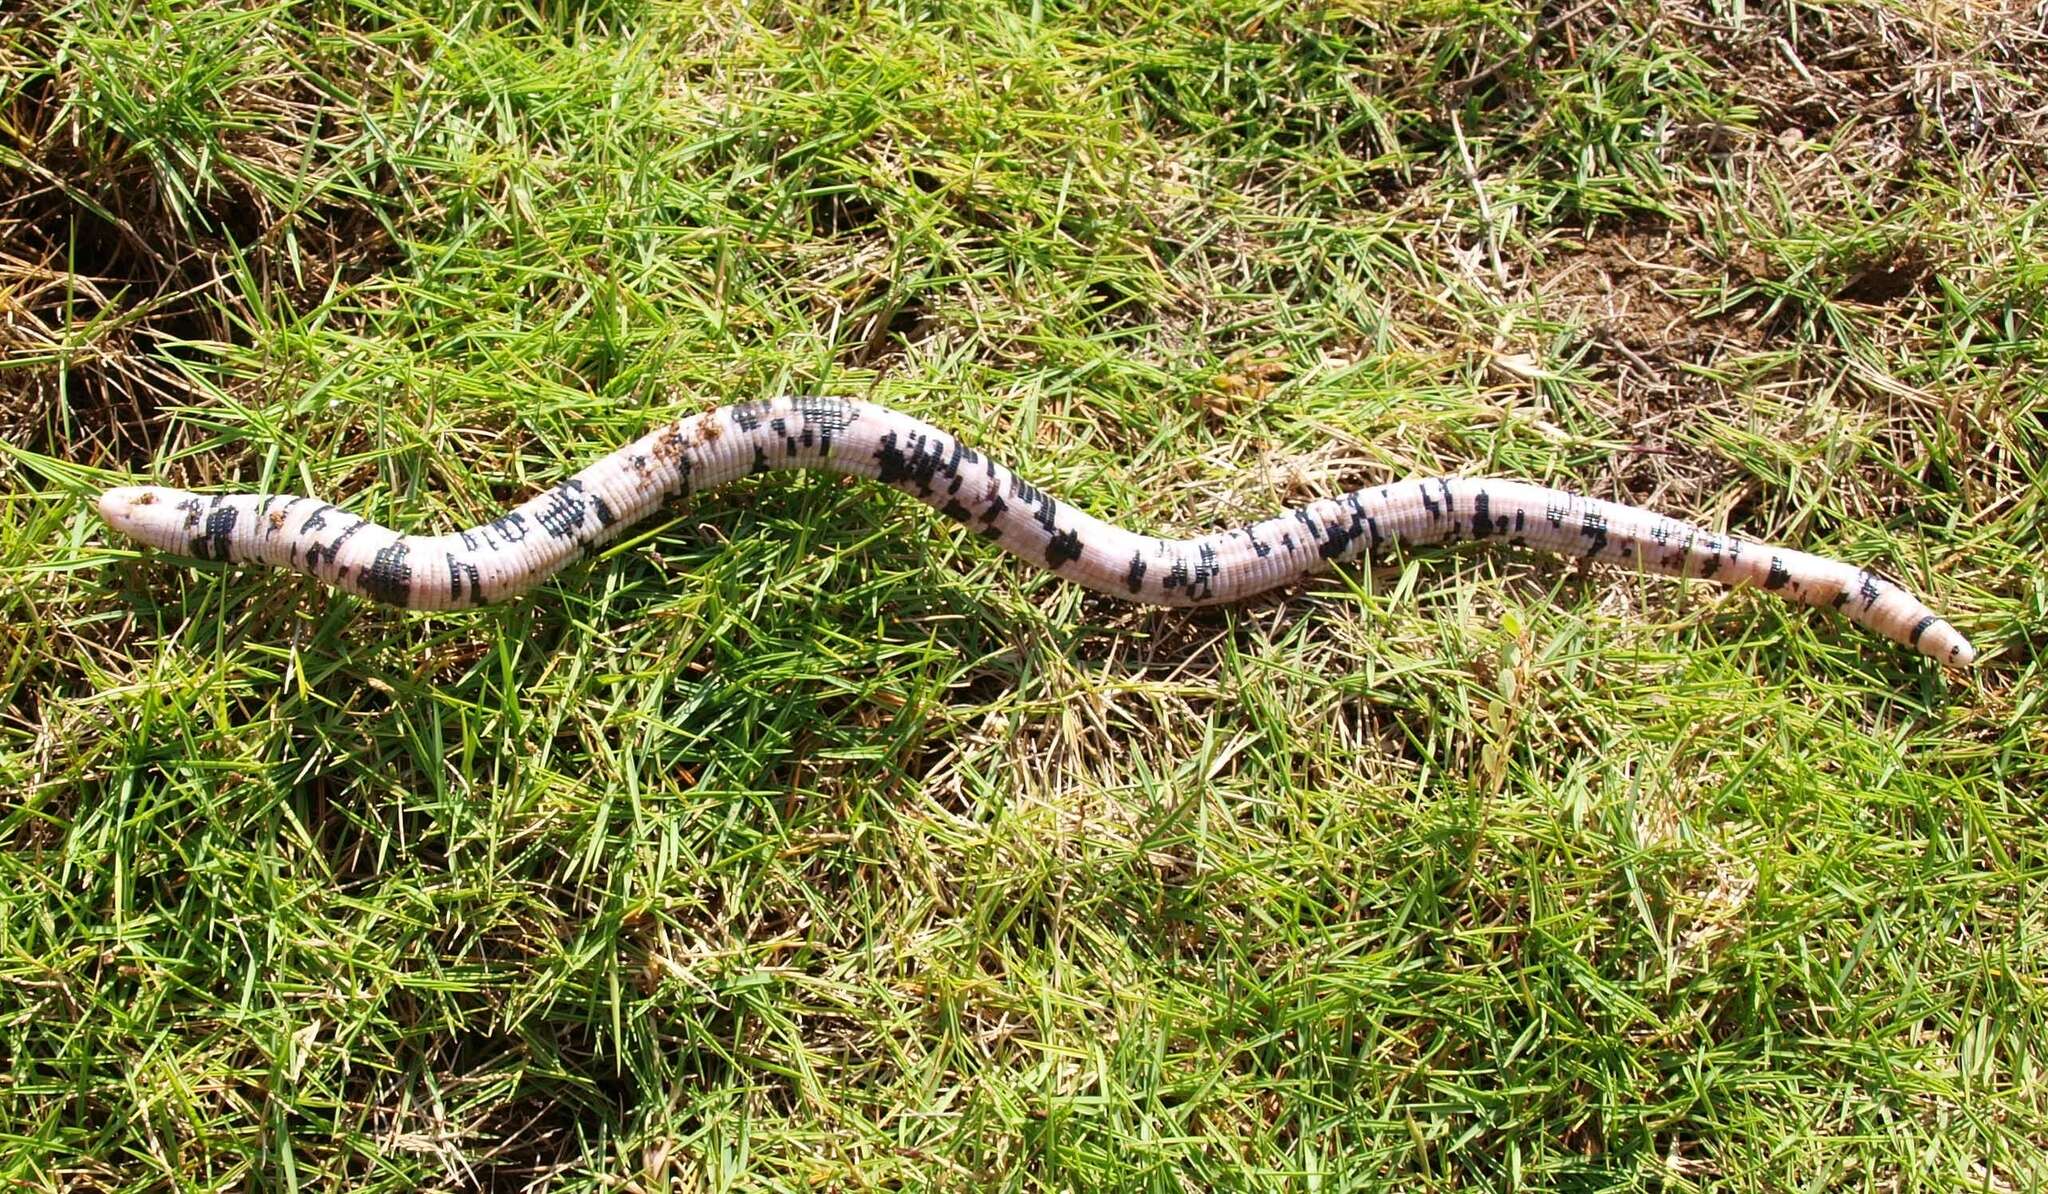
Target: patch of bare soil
x,y
1963,78
1857,107
107,279
1639,289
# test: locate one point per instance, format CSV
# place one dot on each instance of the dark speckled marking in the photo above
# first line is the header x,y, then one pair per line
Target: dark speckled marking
x,y
1594,527
1482,516
826,416
562,516
1062,549
319,554
1203,584
212,543
389,576
469,572
914,461
933,466
1337,538
1048,510
510,527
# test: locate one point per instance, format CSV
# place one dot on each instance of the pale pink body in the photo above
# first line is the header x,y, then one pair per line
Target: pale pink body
x,y
516,551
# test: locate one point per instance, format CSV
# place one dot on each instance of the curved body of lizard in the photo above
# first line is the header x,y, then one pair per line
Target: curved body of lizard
x,y
519,549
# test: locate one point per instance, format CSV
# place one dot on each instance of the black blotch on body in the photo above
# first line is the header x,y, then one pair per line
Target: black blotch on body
x,y
510,527
826,416
1712,564
1429,503
1920,628
1135,578
1062,549
1203,583
458,570
1482,516
1594,527
1338,537
749,414
1047,511
915,460
319,554
212,543
389,576
956,512
1776,576
1866,588
562,516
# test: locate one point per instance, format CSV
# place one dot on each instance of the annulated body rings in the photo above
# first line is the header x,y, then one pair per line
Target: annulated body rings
x,y
516,551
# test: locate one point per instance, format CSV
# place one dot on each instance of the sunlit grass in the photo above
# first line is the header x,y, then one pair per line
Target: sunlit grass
x,y
799,841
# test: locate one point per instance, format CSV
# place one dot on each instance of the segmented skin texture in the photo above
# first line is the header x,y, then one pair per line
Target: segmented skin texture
x,y
516,551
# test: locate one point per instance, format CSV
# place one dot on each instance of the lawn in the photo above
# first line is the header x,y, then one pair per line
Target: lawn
x,y
801,840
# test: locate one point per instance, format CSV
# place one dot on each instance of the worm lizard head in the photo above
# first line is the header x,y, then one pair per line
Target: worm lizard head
x,y
149,514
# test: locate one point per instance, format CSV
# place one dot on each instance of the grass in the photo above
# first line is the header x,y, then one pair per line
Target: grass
x,y
799,842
